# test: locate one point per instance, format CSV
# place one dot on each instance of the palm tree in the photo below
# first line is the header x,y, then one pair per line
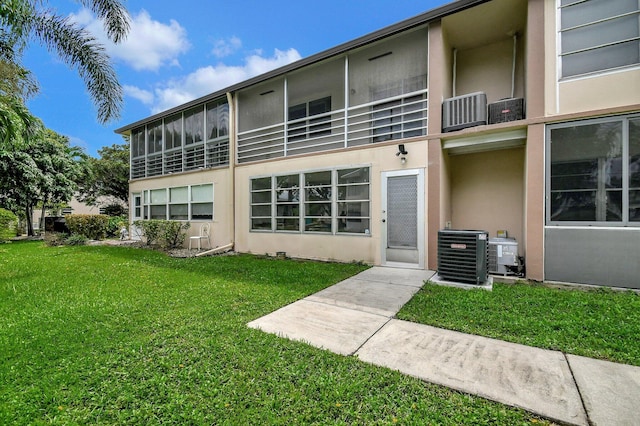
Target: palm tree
x,y
22,20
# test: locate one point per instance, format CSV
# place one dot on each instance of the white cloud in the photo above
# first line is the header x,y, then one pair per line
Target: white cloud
x,y
209,79
144,96
222,48
149,45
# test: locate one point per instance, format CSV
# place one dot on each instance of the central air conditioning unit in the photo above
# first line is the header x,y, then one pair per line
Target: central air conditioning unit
x,y
462,256
503,256
506,110
464,111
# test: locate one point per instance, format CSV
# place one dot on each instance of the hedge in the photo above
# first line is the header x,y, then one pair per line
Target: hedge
x,y
8,225
92,226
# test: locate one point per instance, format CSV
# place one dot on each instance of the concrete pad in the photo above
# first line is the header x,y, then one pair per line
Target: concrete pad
x,y
610,391
337,329
412,277
368,296
535,379
487,285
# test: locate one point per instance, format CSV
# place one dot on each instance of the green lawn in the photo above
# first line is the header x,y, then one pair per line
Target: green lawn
x,y
113,335
599,323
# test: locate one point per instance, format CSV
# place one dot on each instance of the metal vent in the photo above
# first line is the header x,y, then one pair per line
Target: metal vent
x,y
462,256
506,110
503,252
464,111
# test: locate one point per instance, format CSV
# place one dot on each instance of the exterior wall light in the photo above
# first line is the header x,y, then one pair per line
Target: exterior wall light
x,y
402,152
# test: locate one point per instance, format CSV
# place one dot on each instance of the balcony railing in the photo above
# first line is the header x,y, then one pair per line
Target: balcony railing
x,y
397,117
190,157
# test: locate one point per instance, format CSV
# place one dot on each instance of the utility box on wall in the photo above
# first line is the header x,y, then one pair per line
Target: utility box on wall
x,y
506,110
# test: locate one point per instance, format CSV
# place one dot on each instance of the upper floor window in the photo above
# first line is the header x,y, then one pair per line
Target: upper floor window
x,y
594,172
303,129
597,35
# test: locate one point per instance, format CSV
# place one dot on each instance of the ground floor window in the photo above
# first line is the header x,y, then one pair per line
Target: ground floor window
x,y
192,202
593,172
335,201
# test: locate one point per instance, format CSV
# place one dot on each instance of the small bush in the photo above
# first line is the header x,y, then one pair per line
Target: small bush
x,y
8,225
167,234
115,225
173,234
75,240
92,226
55,239
114,209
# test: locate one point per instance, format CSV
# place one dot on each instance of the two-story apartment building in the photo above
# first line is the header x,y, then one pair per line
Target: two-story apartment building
x,y
517,115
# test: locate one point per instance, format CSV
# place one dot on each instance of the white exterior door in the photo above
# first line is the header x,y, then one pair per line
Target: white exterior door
x,y
403,218
136,208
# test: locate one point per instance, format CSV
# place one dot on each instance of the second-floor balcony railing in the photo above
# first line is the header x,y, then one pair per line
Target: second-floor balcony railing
x,y
392,118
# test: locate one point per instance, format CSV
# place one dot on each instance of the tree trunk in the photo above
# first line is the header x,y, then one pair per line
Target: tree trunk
x,y
29,214
42,214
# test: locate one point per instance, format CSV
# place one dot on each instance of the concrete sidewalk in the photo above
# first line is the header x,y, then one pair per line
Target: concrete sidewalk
x,y
355,317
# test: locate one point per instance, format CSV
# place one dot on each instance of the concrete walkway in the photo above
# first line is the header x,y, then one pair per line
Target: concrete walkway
x,y
356,317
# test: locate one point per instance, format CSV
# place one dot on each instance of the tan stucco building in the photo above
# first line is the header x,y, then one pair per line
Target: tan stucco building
x,y
501,115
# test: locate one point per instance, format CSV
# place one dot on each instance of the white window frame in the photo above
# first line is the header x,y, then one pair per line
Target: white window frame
x,y
147,204
303,202
561,54
625,222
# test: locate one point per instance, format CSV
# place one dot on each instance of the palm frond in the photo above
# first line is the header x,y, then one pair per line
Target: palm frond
x,y
114,15
81,50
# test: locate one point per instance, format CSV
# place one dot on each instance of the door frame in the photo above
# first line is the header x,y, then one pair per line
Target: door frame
x,y
134,232
421,219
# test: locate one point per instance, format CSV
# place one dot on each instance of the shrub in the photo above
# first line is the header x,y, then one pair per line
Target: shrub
x,y
92,226
115,225
8,225
150,230
114,209
167,234
75,240
173,234
55,239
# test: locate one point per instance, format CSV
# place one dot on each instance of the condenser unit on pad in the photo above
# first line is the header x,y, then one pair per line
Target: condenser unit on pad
x,y
462,256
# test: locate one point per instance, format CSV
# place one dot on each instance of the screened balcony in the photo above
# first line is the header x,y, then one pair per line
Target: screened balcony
x,y
191,140
371,95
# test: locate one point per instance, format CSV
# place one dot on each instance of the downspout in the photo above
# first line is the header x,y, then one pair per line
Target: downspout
x,y
513,65
232,179
455,70
233,131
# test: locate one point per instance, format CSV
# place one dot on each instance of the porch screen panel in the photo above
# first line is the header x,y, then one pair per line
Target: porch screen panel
x,y
634,170
194,138
402,208
316,108
381,74
261,122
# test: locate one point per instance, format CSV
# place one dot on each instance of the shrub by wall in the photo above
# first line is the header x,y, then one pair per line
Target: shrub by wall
x,y
8,225
92,226
116,223
168,234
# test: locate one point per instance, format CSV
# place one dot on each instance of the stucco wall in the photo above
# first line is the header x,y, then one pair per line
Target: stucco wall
x,y
222,225
486,192
343,248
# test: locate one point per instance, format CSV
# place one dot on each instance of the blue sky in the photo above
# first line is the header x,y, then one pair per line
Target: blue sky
x,y
180,50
